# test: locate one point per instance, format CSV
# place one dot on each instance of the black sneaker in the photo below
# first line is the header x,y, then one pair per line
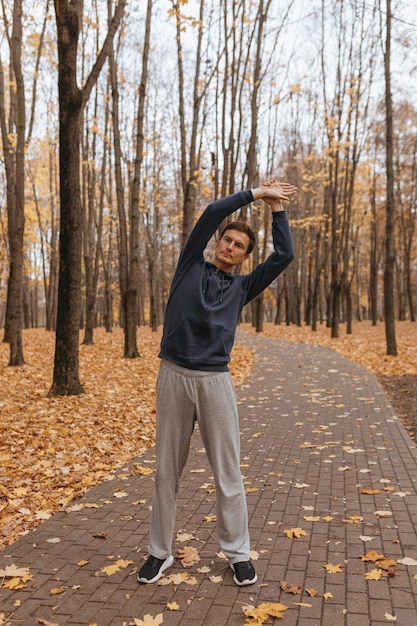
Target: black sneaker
x,y
152,570
244,573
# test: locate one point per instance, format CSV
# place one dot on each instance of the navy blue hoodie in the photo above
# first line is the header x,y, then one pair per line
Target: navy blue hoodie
x,y
205,303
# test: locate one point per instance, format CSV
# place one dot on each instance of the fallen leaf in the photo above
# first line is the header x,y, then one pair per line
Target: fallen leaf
x,y
187,556
372,556
301,485
312,592
390,618
57,590
374,574
383,514
210,518
11,571
327,595
173,606
45,622
82,563
177,579
370,492
115,567
303,604
120,494
265,610
333,569
295,533
288,588
148,620
184,537
143,471
216,579
407,561
353,519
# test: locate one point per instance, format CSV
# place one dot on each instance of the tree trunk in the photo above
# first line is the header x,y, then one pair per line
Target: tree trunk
x,y
131,350
15,177
65,377
71,102
389,304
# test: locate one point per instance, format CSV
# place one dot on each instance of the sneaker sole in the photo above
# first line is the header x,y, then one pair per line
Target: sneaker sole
x,y
168,562
245,582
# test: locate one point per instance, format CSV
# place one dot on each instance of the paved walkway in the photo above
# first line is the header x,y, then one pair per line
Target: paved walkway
x,y
316,429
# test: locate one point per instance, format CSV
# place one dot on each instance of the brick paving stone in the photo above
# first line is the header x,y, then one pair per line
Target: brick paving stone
x,y
315,430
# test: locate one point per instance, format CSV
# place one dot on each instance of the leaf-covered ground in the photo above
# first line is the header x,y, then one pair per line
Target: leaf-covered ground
x,y
54,449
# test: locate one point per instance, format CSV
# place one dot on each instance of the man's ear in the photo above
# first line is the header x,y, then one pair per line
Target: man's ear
x,y
245,256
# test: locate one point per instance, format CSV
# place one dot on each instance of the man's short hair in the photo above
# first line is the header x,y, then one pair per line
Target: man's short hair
x,y
243,228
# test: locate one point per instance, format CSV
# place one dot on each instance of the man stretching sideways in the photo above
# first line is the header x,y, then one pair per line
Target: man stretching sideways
x,y
194,381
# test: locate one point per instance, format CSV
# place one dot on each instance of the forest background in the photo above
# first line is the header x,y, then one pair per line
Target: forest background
x,y
121,120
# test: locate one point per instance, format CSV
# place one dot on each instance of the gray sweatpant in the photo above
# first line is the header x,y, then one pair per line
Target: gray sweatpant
x,y
182,395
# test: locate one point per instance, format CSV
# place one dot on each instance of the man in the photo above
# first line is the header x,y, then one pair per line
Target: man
x,y
194,382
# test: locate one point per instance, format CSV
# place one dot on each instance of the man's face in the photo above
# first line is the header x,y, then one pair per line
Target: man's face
x,y
231,249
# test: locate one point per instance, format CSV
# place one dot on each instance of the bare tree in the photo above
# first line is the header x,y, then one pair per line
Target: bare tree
x,y
389,304
72,101
14,159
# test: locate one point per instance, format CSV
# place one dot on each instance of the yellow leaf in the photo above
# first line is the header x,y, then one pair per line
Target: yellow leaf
x,y
115,567
210,518
173,606
311,518
295,533
56,590
143,471
312,592
374,574
327,595
14,583
187,556
305,604
82,563
148,620
372,556
289,588
386,564
353,519
216,579
265,610
177,579
333,569
370,492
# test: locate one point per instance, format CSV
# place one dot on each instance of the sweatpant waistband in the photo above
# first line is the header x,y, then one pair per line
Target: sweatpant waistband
x,y
185,371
